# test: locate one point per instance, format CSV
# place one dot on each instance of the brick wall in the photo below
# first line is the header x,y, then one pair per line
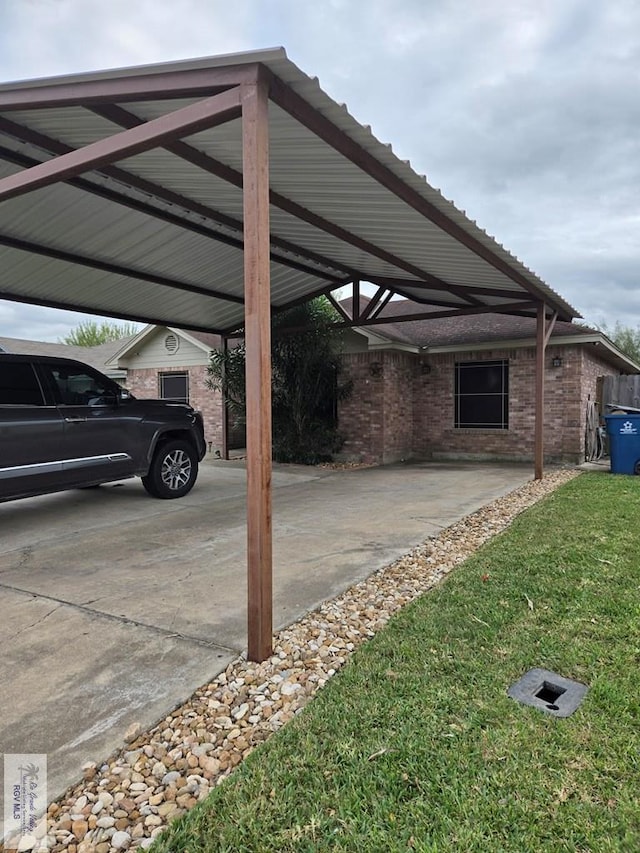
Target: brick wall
x,y
398,411
407,411
144,382
592,367
377,420
361,417
435,434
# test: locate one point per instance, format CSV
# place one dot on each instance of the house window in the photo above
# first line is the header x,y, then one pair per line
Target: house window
x,y
174,386
482,395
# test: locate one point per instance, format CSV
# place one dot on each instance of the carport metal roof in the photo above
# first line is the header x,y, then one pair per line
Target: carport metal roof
x,y
158,237
204,194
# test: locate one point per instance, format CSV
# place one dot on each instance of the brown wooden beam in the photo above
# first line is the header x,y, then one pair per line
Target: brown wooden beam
x,y
371,304
513,307
539,393
225,408
377,310
355,302
550,327
290,101
164,84
196,117
116,269
255,159
104,311
476,290
443,303
325,290
155,190
338,307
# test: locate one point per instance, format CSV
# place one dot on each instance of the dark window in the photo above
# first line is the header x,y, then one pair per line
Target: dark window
x,y
174,386
19,385
482,395
75,386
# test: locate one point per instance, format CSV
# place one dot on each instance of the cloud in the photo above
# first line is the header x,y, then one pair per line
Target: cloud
x,y
48,37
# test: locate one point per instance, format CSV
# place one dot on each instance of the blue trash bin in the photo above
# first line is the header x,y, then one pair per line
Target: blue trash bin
x,y
624,443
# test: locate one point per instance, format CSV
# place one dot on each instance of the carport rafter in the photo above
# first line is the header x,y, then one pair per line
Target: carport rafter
x,y
512,308
202,115
128,120
116,269
338,307
181,149
399,284
298,108
371,304
98,311
54,146
442,303
190,83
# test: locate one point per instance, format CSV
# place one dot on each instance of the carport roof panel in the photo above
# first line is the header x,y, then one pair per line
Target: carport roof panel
x,y
377,226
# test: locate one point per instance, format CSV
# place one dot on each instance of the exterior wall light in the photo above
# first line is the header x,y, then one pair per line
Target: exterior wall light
x,y
375,368
556,361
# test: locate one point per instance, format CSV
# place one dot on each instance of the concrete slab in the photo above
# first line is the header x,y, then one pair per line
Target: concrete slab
x,y
115,607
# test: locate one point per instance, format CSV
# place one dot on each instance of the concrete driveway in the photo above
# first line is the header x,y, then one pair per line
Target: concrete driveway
x,y
115,607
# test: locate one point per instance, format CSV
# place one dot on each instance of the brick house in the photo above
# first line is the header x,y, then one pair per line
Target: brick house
x,y
464,388
169,363
454,388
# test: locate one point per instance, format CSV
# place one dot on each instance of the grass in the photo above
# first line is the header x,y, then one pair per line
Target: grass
x,y
414,745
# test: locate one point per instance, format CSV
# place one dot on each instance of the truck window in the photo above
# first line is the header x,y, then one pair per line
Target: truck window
x,y
19,385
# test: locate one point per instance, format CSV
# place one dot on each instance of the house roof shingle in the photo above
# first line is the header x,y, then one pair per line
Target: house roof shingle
x,y
462,329
468,331
97,356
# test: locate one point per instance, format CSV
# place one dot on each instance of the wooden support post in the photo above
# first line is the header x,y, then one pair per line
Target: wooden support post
x,y
255,143
541,345
225,410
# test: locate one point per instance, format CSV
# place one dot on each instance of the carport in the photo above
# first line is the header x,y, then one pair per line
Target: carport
x,y
240,188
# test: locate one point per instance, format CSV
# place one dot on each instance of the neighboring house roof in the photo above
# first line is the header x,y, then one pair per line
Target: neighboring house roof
x,y
98,356
202,340
479,331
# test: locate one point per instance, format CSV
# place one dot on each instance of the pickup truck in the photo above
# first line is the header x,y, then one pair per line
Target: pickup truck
x,y
64,425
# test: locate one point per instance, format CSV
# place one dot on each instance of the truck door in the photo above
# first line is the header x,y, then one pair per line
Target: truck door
x,y
99,439
30,434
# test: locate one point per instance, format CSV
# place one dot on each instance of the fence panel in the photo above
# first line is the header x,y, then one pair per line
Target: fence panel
x,y
621,390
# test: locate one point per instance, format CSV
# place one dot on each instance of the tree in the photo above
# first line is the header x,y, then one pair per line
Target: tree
x,y
305,376
90,333
625,338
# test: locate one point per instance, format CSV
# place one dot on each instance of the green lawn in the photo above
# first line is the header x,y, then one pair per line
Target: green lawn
x,y
415,745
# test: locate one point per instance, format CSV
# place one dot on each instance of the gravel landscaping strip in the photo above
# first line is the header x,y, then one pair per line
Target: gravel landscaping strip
x,y
127,801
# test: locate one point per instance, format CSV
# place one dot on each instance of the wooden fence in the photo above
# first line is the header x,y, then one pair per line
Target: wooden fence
x,y
620,390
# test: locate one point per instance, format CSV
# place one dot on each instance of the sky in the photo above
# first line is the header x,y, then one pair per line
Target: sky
x,y
525,113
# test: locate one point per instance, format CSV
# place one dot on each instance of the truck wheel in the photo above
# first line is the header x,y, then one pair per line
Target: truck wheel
x,y
173,470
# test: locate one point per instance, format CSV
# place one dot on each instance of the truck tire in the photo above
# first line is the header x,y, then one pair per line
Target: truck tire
x,y
173,470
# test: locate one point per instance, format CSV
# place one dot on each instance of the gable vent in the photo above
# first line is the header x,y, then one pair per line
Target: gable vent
x,y
171,344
